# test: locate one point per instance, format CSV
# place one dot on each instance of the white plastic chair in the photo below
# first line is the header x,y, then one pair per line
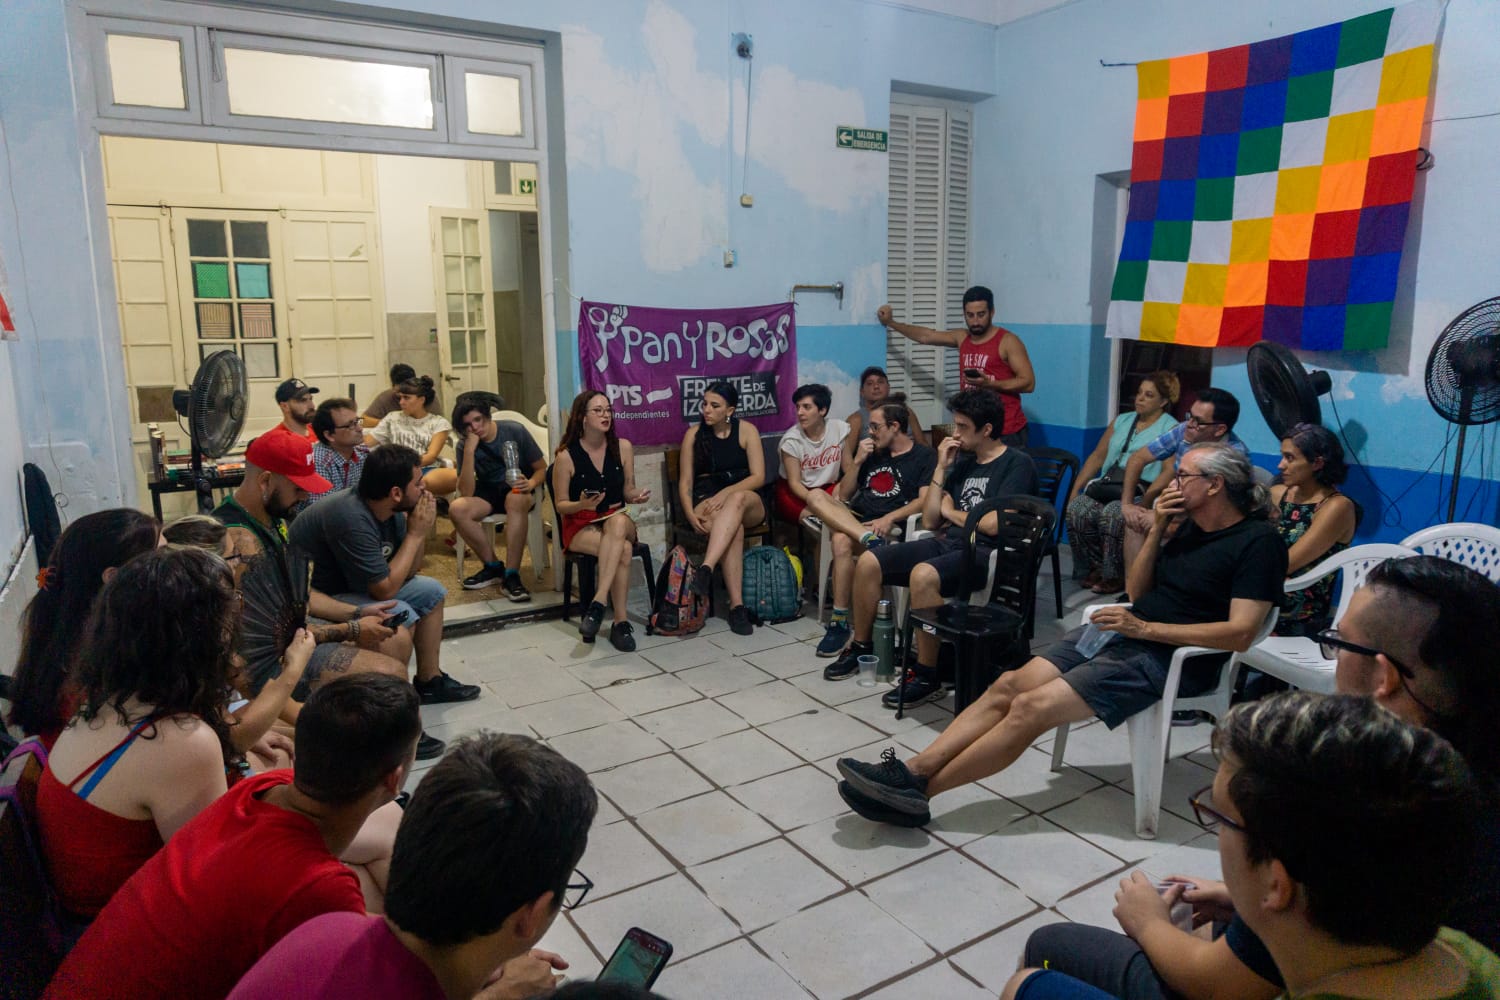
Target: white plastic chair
x,y
1151,728
536,537
1467,543
1298,660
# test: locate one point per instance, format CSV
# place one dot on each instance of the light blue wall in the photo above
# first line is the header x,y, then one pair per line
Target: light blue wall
x,y
1062,120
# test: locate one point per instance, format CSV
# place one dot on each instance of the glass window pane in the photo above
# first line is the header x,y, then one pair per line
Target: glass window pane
x,y
476,310
317,88
146,72
260,361
214,321
455,310
450,236
210,281
257,322
494,103
476,348
206,238
251,239
502,176
471,235
472,275
458,343
253,280
453,275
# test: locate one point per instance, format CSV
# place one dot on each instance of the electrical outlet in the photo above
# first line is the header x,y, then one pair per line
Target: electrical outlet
x,y
729,258
746,200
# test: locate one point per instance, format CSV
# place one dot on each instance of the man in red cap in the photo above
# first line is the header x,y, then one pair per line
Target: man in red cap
x,y
295,398
279,474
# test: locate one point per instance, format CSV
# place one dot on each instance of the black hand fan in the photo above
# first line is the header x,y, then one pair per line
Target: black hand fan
x,y
215,409
274,587
1286,393
1463,376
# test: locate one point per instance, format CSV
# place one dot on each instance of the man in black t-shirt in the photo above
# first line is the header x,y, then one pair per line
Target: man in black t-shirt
x,y
973,465
1212,585
482,467
866,507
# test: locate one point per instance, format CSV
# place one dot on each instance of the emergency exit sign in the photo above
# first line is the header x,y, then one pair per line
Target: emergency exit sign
x,y
849,137
528,185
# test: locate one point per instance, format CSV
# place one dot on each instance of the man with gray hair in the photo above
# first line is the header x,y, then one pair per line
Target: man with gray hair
x,y
1212,584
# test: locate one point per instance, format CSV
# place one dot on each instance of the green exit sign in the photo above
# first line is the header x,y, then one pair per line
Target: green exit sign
x,y
849,137
528,185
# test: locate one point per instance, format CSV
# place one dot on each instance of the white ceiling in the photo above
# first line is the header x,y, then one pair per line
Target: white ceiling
x,y
987,11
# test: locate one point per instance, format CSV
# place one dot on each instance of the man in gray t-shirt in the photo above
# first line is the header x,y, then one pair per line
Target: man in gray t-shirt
x,y
482,468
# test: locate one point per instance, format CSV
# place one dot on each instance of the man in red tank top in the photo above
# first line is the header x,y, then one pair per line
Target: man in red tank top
x,y
989,356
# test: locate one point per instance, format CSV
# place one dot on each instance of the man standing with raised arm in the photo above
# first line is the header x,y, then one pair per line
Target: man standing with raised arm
x,y
989,357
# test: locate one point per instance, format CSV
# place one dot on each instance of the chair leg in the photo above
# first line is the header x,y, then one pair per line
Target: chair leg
x,y
825,563
1147,767
1057,580
536,539
567,586
1059,746
458,550
643,552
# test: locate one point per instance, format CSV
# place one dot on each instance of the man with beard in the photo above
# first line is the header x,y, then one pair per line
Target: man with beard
x,y
366,544
352,637
989,357
295,398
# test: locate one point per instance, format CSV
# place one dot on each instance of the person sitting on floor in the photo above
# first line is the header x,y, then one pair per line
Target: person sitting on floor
x,y
723,466
1418,638
385,401
489,486
886,483
367,544
973,466
255,864
512,817
43,697
1344,835
1315,520
875,392
339,456
593,479
813,453
423,432
1212,585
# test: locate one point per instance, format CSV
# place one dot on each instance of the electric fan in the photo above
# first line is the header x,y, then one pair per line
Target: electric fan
x,y
1286,393
1463,376
215,410
274,587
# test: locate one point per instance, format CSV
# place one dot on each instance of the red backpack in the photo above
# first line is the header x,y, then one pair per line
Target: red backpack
x,y
678,610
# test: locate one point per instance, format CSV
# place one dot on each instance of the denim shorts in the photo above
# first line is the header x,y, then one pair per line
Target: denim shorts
x,y
1125,677
417,597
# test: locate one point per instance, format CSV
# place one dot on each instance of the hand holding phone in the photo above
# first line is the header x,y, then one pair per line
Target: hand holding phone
x,y
638,959
394,621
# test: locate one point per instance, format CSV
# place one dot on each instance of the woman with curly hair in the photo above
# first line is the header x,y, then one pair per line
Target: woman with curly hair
x,y
84,558
151,742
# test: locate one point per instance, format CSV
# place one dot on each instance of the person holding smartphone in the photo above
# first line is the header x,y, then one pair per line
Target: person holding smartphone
x,y
593,478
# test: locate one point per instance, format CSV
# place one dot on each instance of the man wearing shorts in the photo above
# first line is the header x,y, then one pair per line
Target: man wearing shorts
x,y
481,480
1211,585
973,466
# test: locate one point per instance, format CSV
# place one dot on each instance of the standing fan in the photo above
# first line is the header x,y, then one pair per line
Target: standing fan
x,y
274,587
1463,376
215,410
1286,393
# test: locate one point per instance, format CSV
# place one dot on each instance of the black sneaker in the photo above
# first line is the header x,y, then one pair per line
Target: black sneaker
x,y
487,575
443,688
429,747
593,617
739,620
889,782
877,813
702,583
920,685
622,637
515,589
847,666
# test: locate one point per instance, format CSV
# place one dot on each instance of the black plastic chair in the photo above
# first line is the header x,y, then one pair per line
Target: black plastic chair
x,y
991,638
1055,469
588,568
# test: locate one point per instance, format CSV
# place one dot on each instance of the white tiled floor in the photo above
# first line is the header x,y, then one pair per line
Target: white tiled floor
x,y
720,827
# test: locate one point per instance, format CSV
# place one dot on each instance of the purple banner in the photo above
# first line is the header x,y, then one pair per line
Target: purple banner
x,y
654,364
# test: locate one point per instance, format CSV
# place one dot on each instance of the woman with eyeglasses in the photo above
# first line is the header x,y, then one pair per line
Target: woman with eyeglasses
x,y
1315,520
593,478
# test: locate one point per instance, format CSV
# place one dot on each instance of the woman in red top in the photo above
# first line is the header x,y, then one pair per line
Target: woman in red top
x,y
151,741
84,557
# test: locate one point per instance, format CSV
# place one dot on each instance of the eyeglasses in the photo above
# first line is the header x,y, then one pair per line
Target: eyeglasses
x,y
601,411
1192,475
349,426
1330,642
1203,423
575,892
1209,817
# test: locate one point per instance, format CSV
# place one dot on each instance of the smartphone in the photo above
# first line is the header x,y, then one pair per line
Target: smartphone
x,y
638,959
398,619
973,373
590,494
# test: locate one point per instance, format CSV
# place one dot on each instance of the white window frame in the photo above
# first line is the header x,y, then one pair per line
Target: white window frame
x,y
185,35
458,100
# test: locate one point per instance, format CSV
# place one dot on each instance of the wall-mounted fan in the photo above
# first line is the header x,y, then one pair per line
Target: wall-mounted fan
x,y
1286,393
1463,376
215,411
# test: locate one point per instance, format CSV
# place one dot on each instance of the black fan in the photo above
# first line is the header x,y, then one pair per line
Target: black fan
x,y
1286,393
215,409
1463,376
274,587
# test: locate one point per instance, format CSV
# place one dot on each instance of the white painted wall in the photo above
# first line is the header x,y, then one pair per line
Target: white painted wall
x,y
505,250
405,187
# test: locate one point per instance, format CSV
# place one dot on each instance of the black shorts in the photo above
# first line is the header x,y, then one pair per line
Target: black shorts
x,y
1127,676
946,555
493,494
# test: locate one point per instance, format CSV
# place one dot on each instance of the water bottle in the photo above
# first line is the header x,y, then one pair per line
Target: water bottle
x,y
884,638
158,452
513,473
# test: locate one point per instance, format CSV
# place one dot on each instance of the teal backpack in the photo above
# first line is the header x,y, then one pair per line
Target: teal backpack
x,y
770,586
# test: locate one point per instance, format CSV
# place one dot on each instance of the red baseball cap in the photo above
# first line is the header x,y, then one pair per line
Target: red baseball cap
x,y
287,455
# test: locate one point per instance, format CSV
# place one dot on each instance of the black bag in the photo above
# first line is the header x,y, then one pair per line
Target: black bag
x,y
1111,486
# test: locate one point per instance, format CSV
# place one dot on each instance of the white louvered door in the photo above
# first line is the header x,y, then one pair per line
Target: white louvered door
x,y
927,246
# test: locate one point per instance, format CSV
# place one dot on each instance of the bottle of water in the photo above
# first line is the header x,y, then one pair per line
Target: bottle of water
x,y
883,634
513,473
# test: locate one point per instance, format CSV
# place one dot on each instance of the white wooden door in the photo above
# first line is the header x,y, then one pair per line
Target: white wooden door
x,y
462,285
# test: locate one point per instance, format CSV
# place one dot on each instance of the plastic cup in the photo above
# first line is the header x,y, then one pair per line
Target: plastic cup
x,y
867,667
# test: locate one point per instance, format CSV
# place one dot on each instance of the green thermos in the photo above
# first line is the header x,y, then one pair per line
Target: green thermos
x,y
884,638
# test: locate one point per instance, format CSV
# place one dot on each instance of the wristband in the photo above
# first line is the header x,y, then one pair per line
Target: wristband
x,y
354,630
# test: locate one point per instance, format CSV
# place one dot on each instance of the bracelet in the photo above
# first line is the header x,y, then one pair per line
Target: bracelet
x,y
354,630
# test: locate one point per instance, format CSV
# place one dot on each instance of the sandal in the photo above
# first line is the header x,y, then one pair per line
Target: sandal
x,y
1108,586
